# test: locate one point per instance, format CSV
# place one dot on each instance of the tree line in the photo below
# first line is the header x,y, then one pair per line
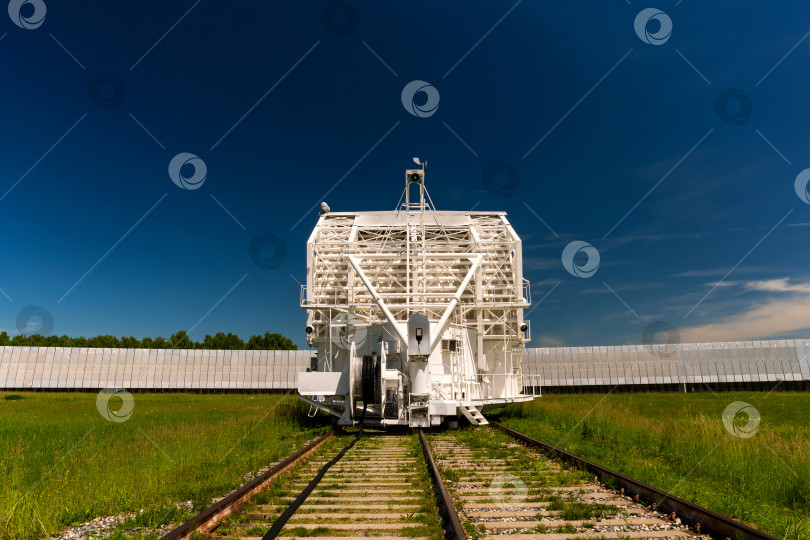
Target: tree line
x,y
178,340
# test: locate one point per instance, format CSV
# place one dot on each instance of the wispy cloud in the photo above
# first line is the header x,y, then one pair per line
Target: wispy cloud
x,y
31,327
781,285
549,341
619,241
623,315
778,316
777,285
622,288
769,320
545,282
711,272
540,263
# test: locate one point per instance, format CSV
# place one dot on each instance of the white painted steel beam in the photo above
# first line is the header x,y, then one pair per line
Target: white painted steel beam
x,y
437,332
362,275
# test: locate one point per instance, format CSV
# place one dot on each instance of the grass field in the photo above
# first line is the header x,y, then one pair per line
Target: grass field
x,y
63,463
679,443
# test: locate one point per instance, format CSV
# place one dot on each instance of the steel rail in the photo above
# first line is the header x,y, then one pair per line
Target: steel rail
x,y
452,523
222,508
702,519
281,520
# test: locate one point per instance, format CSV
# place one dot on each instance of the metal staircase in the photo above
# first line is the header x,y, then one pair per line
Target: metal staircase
x,y
469,410
473,415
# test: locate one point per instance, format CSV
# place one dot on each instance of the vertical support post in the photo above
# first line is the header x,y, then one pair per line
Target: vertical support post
x,y
436,335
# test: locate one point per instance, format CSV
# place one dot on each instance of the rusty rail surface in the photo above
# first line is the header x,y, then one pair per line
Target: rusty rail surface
x,y
209,517
701,519
452,523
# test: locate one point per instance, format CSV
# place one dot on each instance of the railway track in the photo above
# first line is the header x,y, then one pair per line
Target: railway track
x,y
481,483
374,485
504,488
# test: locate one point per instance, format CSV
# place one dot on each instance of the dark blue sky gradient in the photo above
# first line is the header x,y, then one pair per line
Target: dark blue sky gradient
x,y
331,109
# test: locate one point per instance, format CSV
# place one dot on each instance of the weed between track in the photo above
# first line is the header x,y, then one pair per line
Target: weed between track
x,y
538,475
267,505
63,464
677,443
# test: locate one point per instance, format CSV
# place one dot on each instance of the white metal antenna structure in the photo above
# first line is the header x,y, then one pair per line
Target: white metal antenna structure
x,y
416,314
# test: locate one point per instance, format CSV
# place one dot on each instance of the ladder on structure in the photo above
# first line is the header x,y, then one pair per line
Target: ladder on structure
x,y
469,410
516,354
473,415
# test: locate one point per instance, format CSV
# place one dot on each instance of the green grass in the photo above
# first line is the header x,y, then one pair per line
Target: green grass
x,y
426,520
149,519
428,514
303,531
579,511
62,463
535,474
677,443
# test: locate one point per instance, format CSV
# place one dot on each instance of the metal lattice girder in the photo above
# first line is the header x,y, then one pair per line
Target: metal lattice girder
x,y
423,274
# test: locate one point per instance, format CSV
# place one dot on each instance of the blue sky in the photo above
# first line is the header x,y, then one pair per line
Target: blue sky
x,y
284,102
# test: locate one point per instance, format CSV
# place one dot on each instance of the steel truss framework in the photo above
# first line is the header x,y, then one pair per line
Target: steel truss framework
x,y
463,270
